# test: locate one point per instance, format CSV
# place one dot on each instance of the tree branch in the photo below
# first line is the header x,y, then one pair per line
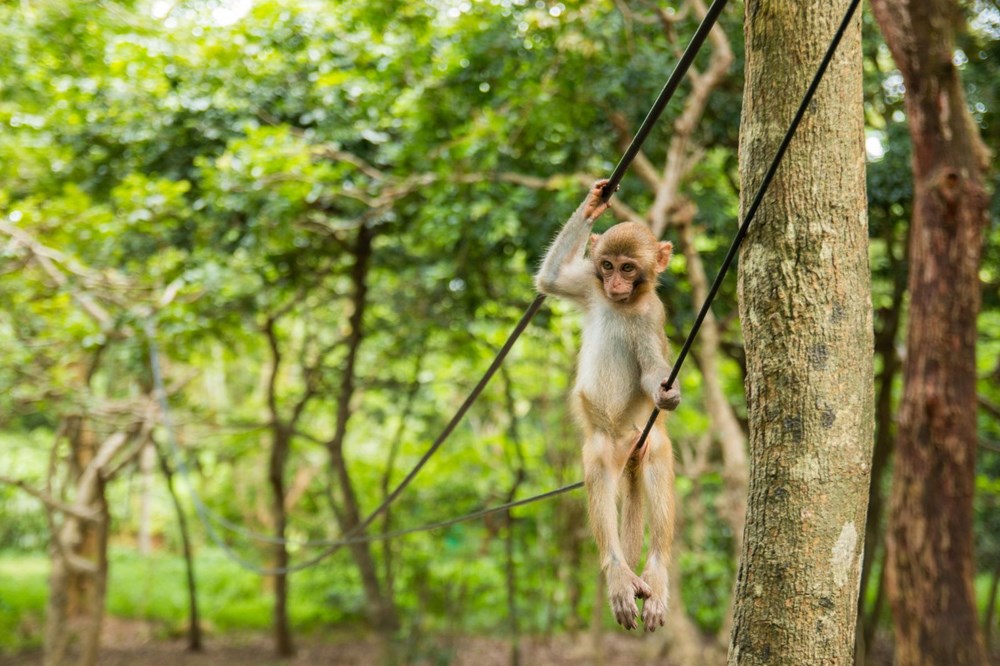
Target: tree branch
x,y
46,258
51,502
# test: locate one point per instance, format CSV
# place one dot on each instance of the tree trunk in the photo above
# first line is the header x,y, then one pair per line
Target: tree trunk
x,y
280,445
78,581
281,442
381,609
805,308
930,565
194,623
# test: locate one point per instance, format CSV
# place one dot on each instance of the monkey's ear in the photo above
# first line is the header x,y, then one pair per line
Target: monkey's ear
x,y
663,254
593,242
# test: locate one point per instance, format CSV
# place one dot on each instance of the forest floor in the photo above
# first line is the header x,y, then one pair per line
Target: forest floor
x,y
133,643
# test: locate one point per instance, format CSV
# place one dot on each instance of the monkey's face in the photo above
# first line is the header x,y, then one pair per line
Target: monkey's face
x,y
627,258
621,276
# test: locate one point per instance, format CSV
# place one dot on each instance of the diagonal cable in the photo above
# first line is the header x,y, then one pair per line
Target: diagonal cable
x,y
666,93
209,519
752,210
680,69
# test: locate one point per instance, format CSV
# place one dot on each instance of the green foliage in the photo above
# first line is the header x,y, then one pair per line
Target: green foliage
x,y
218,173
23,592
23,526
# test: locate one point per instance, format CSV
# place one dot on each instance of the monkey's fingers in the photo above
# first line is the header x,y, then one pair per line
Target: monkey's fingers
x,y
641,589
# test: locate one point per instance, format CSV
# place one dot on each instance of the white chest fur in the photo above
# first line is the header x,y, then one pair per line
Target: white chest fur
x,y
608,373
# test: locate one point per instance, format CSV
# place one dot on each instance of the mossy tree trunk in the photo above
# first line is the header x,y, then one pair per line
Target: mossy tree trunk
x,y
805,308
929,562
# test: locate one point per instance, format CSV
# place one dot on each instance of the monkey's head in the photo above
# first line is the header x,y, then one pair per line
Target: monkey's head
x,y
627,258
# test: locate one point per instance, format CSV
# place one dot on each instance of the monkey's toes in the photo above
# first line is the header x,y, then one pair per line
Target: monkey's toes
x,y
625,610
624,587
654,614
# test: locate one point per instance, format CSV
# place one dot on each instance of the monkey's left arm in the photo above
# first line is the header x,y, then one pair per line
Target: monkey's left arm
x,y
655,370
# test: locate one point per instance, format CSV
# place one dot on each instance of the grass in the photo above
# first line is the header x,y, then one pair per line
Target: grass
x,y
154,588
23,591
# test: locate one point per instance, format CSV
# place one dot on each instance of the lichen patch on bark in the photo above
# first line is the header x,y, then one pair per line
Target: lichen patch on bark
x,y
843,554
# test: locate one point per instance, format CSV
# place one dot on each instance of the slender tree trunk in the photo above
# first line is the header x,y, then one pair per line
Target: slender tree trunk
x,y
94,588
381,609
519,467
281,437
877,606
805,308
194,623
283,643
511,574
930,564
56,637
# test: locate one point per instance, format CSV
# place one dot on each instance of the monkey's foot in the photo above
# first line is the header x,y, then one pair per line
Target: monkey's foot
x,y
624,587
654,613
654,608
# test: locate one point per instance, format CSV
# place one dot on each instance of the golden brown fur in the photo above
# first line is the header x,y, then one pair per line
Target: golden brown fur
x,y
622,365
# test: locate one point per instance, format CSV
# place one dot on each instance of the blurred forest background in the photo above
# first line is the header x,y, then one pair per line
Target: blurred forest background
x,y
322,218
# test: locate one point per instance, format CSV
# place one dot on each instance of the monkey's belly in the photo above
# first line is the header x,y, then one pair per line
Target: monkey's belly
x,y
608,392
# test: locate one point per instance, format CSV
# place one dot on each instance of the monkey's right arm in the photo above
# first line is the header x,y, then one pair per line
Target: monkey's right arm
x,y
565,272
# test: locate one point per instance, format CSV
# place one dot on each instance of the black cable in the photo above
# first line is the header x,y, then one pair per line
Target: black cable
x,y
659,105
711,16
448,429
661,102
204,514
755,204
207,517
468,516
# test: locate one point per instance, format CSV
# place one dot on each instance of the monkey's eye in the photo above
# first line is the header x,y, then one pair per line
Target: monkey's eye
x,y
607,265
628,268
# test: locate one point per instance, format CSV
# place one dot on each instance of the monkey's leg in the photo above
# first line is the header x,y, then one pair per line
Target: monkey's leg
x,y
632,513
658,480
602,469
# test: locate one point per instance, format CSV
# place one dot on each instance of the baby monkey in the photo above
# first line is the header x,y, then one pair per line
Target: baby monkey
x,y
621,375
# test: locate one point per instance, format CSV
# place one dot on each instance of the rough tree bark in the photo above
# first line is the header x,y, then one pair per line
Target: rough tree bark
x,y
805,308
929,559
